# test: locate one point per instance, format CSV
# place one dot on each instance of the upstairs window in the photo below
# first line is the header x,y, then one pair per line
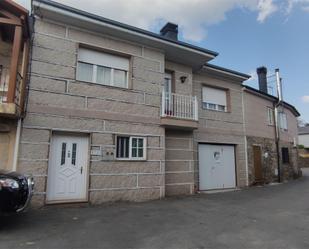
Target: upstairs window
x,y
283,123
270,116
102,68
131,148
214,99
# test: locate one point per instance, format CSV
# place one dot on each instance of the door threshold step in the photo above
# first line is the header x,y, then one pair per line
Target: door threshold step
x,y
214,191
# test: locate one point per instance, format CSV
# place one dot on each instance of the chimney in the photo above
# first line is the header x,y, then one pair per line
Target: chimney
x,y
262,76
170,31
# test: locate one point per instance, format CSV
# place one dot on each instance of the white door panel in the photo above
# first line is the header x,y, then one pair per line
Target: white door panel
x,y
216,166
67,172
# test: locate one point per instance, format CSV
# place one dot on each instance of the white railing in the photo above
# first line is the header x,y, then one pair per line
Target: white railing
x,y
179,106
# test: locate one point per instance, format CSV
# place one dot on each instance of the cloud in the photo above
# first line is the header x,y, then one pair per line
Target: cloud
x,y
193,17
305,98
266,8
304,5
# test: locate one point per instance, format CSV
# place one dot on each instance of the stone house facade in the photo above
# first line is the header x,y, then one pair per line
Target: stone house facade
x,y
14,52
263,154
115,113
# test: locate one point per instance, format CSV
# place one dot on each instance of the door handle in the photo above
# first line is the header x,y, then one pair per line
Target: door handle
x,y
81,170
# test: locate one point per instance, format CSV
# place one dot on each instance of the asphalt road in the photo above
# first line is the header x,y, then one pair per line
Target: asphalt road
x,y
261,217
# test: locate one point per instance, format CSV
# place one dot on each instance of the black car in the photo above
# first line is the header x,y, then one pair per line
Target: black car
x,y
15,191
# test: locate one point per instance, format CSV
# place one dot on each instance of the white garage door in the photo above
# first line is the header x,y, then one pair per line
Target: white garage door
x,y
216,166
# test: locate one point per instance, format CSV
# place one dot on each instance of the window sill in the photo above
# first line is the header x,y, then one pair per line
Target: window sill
x,y
206,109
130,160
98,84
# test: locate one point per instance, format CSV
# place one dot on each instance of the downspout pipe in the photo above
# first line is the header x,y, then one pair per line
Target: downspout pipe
x,y
245,135
277,105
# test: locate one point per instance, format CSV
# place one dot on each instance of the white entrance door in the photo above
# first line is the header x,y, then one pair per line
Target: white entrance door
x,y
67,172
216,167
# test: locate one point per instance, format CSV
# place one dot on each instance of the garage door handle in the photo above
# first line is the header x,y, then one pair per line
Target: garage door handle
x,y
81,170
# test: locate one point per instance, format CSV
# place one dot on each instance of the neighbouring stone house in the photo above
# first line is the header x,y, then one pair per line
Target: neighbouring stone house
x,y
265,145
14,51
119,113
303,140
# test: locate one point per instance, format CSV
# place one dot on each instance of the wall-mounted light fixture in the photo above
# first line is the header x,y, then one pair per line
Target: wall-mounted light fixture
x,y
183,79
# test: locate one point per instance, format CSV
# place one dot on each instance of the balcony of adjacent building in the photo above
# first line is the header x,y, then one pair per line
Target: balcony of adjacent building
x,y
179,111
14,51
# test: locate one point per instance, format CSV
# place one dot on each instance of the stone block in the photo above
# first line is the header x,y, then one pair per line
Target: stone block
x,y
39,184
139,84
152,99
58,122
113,181
34,151
124,167
132,128
102,139
53,70
155,55
153,142
41,40
179,155
49,28
145,64
47,84
174,166
150,180
171,178
96,90
148,76
56,99
35,135
137,195
176,190
54,56
174,143
32,167
104,42
120,107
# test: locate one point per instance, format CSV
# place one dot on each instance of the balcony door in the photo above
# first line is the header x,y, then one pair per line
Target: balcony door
x,y
168,93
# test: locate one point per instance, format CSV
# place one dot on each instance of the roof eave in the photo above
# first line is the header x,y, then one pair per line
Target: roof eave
x,y
117,26
227,72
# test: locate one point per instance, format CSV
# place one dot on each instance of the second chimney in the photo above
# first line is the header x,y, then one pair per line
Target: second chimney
x,y
262,76
170,30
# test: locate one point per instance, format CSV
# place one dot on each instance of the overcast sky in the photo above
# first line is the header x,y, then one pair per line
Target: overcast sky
x,y
246,33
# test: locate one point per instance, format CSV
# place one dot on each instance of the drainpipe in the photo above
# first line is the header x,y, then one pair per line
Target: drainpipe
x,y
16,146
245,136
277,125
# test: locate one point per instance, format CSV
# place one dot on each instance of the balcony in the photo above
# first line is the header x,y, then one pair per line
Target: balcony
x,y
179,111
9,106
14,54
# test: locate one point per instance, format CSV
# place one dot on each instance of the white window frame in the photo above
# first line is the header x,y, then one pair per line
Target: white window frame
x,y
283,122
94,71
270,116
206,105
130,149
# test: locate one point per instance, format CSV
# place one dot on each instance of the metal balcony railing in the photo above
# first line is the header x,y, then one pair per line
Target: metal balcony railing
x,y
179,106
